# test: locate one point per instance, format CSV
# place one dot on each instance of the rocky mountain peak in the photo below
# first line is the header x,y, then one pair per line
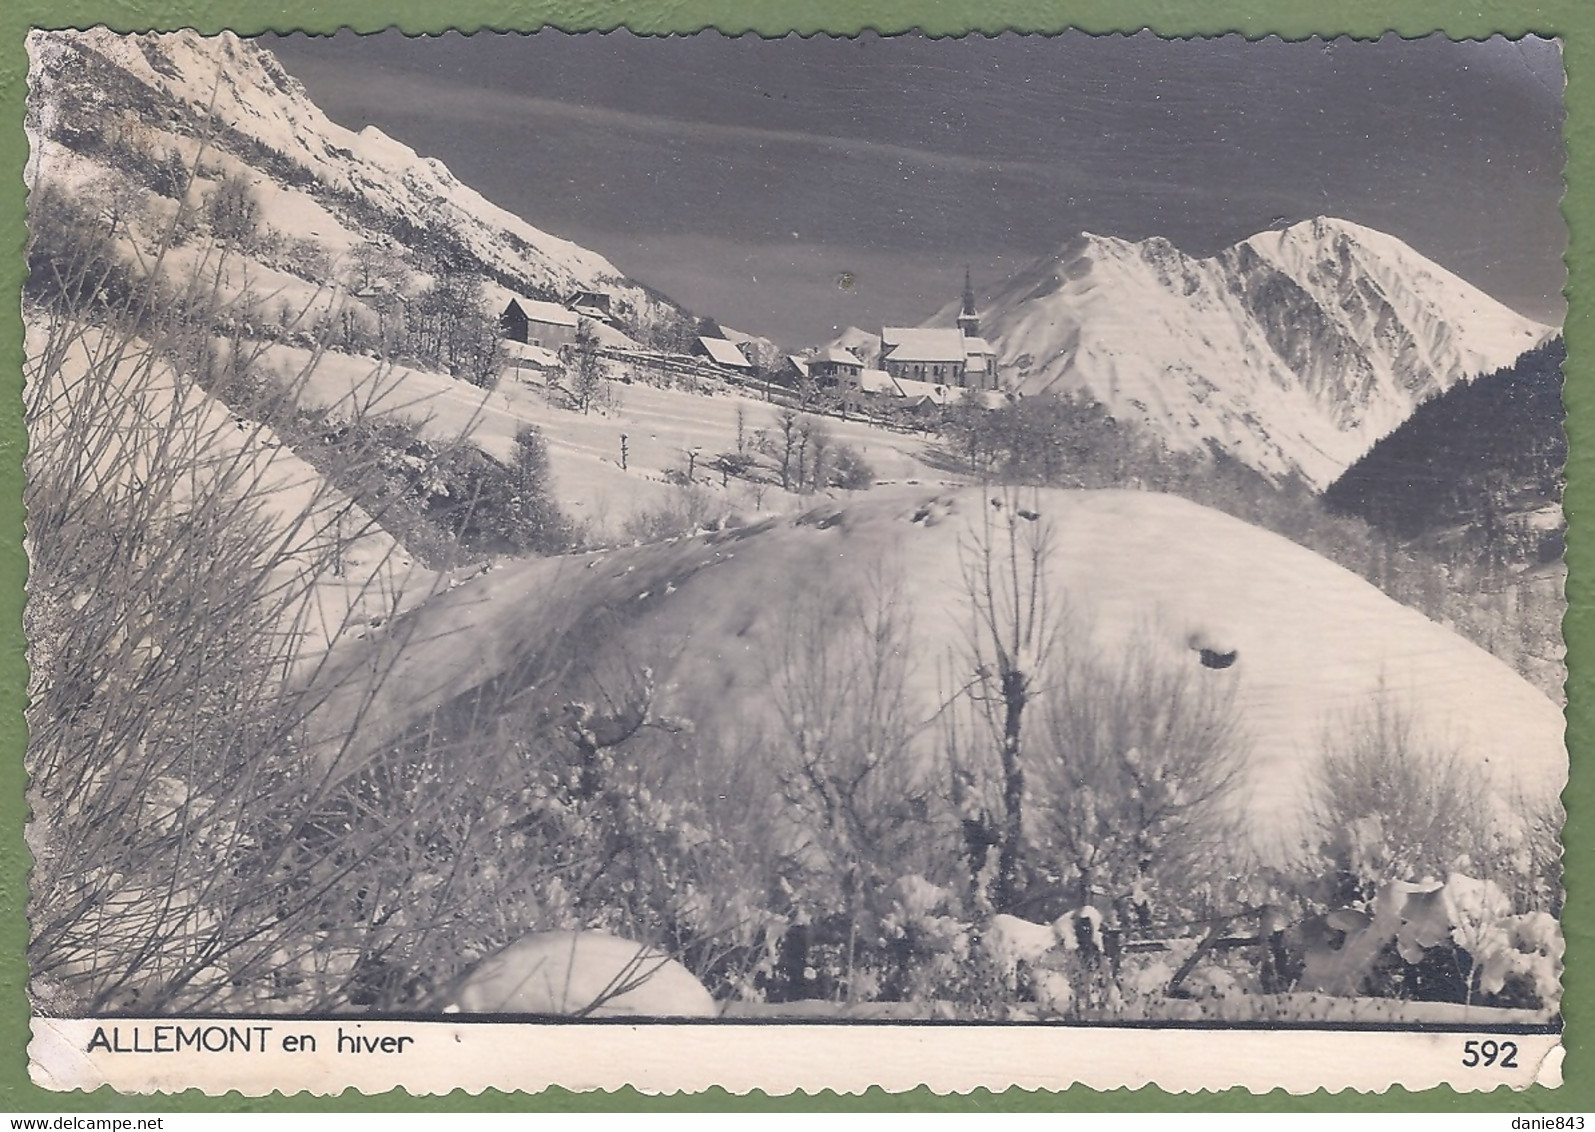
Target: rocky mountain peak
x,y
1294,350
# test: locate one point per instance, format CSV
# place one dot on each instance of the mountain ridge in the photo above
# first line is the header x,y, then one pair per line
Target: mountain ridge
x,y
236,90
1294,349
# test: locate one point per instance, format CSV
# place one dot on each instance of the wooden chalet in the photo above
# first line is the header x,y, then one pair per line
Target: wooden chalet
x,y
538,323
723,353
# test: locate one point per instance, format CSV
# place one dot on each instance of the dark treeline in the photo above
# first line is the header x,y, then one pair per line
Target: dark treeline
x,y
1477,461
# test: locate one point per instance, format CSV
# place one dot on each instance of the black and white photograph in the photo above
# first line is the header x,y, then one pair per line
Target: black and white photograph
x,y
1031,532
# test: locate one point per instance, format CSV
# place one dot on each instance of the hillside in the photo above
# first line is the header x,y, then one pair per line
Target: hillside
x,y
140,108
1481,462
1293,351
711,616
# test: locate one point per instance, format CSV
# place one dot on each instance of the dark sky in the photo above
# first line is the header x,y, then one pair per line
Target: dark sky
x,y
747,177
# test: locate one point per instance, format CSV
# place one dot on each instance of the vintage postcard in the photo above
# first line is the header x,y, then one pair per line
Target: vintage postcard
x,y
595,560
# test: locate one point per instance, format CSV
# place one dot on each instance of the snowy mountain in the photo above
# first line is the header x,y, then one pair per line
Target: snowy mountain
x,y
1294,350
227,104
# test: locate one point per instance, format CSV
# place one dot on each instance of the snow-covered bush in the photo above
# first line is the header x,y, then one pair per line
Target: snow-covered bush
x,y
849,470
1454,940
233,212
860,814
447,502
1391,803
1136,786
73,255
1394,811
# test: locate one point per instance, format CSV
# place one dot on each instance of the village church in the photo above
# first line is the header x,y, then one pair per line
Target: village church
x,y
955,356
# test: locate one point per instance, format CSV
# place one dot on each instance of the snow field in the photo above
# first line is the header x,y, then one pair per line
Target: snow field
x,y
660,425
1135,570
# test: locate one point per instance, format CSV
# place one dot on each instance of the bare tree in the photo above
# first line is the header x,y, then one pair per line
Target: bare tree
x,y
787,422
447,326
814,452
371,265
1013,624
233,211
587,380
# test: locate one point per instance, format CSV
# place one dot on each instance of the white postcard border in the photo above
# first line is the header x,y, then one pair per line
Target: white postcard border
x,y
132,1057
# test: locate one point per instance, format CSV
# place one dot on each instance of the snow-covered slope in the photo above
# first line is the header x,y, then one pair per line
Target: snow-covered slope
x,y
145,412
1313,643
304,165
1293,351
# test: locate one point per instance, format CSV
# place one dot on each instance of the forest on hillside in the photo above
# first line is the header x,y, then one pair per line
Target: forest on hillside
x,y
1475,468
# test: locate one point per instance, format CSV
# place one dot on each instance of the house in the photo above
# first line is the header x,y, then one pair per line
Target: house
x,y
538,323
835,366
596,305
957,357
878,382
928,394
794,371
873,388
723,354
879,387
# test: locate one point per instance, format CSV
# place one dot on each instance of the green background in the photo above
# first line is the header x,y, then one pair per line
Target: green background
x,y
1572,20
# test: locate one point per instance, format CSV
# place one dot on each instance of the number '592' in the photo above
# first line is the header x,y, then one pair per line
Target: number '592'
x,y
1489,1052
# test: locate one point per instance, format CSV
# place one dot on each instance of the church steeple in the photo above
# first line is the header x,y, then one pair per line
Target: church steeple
x,y
969,319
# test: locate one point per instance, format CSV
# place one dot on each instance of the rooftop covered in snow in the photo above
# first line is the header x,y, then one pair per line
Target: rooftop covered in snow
x,y
551,314
922,344
724,353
